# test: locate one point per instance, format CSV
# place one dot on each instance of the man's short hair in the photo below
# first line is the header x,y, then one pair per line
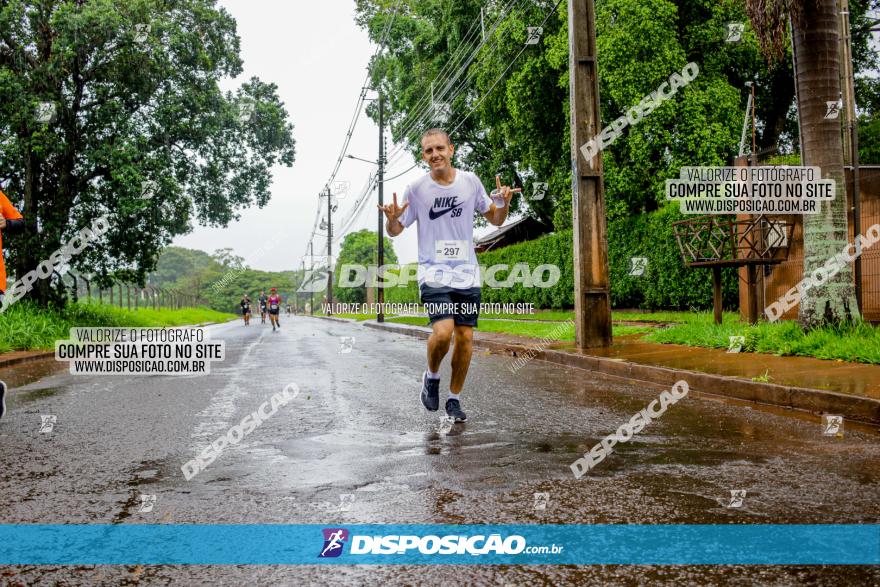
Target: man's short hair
x,y
436,131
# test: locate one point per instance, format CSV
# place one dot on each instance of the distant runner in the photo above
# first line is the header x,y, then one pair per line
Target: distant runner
x,y
274,302
246,309
443,203
262,307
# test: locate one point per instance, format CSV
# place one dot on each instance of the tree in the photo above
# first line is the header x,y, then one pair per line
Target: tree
x,y
359,248
511,105
133,126
814,25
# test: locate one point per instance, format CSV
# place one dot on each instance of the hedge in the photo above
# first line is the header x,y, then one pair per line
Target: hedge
x,y
666,284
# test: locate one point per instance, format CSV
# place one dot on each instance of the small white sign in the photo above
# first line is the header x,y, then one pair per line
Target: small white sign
x,y
638,265
734,32
451,251
47,423
737,496
442,111
46,112
346,344
245,112
832,425
832,109
735,344
341,188
539,190
149,188
147,503
535,33
141,33
346,500
541,501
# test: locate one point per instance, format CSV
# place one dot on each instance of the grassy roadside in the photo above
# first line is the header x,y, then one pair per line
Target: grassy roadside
x,y
26,327
854,343
550,330
859,343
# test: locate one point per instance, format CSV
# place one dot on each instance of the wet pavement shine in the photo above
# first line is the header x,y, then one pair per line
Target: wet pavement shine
x,y
356,447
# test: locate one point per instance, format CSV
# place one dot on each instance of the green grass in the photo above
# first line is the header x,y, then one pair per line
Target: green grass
x,y
566,315
855,343
859,343
552,330
25,327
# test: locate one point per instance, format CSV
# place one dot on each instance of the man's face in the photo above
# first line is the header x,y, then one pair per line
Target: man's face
x,y
437,152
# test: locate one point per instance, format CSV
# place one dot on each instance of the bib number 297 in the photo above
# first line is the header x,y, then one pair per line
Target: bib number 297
x,y
451,251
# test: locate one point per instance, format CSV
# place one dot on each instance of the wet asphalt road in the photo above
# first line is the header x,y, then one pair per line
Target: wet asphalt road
x,y
357,429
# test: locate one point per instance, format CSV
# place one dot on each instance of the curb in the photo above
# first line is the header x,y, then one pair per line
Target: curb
x,y
334,319
850,407
25,357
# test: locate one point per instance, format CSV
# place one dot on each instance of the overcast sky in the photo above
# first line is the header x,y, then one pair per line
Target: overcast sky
x,y
317,56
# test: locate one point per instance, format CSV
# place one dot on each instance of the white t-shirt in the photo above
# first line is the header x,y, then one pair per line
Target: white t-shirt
x,y
445,214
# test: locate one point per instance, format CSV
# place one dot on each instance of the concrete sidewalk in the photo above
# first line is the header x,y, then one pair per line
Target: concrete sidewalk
x,y
835,387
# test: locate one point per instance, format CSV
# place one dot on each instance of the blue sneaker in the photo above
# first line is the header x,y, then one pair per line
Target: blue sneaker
x,y
430,393
453,410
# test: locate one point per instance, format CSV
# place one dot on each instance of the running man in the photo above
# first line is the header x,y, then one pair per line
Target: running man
x,y
246,309
11,221
262,307
443,203
274,302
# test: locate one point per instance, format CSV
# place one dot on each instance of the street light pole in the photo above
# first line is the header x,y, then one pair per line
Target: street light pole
x,y
311,269
329,253
380,293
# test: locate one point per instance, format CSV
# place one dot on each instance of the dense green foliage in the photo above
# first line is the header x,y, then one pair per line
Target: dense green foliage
x,y
666,284
220,279
142,132
359,248
520,127
28,327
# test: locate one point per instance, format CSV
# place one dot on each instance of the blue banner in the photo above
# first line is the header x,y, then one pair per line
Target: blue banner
x,y
153,544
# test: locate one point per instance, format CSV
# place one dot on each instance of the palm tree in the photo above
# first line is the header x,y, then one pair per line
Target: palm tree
x,y
814,27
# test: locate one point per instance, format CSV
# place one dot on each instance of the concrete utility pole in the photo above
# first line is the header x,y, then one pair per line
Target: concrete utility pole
x,y
592,302
380,294
311,269
329,252
851,132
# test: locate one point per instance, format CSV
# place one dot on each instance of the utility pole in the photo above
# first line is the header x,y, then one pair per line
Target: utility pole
x,y
592,304
852,133
380,293
311,270
329,252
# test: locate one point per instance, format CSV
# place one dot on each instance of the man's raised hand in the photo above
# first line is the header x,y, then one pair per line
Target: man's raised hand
x,y
393,211
504,190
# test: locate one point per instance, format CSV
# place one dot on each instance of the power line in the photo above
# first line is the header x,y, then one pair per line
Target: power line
x,y
357,111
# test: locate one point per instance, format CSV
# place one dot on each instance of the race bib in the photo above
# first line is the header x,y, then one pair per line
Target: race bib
x,y
274,306
451,251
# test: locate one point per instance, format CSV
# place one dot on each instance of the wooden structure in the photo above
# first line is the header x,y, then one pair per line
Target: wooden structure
x,y
714,242
592,289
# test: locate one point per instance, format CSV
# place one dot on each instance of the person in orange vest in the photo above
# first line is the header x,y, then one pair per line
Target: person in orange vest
x,y
10,221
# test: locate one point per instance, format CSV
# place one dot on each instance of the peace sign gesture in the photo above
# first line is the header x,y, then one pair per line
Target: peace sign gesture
x,y
393,211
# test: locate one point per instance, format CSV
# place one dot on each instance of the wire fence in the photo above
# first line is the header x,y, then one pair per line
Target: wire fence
x,y
127,295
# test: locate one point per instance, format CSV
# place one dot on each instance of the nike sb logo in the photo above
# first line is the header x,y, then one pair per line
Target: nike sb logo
x,y
443,206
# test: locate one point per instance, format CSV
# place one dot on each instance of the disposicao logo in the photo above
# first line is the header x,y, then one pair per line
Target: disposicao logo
x,y
334,541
